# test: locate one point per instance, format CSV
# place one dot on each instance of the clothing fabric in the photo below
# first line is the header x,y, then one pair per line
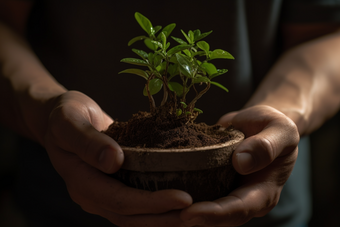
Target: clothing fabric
x,y
81,43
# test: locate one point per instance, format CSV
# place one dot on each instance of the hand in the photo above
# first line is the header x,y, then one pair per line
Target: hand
x,y
82,155
265,160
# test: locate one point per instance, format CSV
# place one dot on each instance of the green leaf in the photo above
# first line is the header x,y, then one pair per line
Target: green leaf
x,y
186,67
173,59
149,44
157,60
179,112
163,38
160,45
138,72
202,36
168,29
173,70
145,23
155,85
178,48
135,61
176,87
219,72
157,28
132,41
141,53
199,53
187,37
167,46
161,67
191,36
180,41
187,52
218,53
197,33
198,62
151,57
219,85
201,79
209,68
204,46
184,104
198,110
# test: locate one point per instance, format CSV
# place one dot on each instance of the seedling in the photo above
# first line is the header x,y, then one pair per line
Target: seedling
x,y
177,70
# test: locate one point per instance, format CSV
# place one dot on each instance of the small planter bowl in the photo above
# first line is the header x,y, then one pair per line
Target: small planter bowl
x,y
206,173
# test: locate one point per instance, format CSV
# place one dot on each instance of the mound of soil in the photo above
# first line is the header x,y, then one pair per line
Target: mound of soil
x,y
146,130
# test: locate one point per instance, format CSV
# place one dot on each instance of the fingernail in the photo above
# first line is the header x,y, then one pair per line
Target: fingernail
x,y
105,161
195,221
245,162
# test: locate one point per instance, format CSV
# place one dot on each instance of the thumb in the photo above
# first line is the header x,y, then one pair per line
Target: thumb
x,y
71,131
269,134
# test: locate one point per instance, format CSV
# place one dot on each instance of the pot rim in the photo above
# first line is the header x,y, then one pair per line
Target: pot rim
x,y
191,149
183,159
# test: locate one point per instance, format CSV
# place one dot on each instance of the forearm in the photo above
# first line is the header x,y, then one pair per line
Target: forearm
x,y
305,83
26,87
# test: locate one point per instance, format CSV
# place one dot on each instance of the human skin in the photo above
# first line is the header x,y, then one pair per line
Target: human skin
x,y
303,87
43,110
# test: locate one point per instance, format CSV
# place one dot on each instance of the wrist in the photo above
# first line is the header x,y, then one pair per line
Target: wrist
x,y
36,103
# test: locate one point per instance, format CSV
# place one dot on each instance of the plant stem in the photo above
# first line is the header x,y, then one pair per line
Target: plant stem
x,y
192,103
184,88
151,99
165,90
195,89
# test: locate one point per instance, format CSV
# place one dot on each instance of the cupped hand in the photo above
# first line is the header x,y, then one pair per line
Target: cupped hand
x,y
83,156
265,160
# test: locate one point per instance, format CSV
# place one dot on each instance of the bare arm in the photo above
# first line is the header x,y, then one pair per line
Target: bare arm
x,y
297,96
305,83
24,83
68,125
26,87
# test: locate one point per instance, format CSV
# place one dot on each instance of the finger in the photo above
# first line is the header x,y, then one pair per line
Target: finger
x,y
269,134
169,219
258,194
233,210
73,129
227,119
89,187
258,151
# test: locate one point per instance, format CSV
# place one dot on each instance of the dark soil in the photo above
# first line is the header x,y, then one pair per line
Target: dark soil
x,y
146,130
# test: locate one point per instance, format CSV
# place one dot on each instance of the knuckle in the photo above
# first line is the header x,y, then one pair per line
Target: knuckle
x,y
57,119
291,130
120,204
124,221
88,209
74,195
294,132
89,149
273,201
268,150
243,214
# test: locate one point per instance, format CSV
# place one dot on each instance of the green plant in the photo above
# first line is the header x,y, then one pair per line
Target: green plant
x,y
180,63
